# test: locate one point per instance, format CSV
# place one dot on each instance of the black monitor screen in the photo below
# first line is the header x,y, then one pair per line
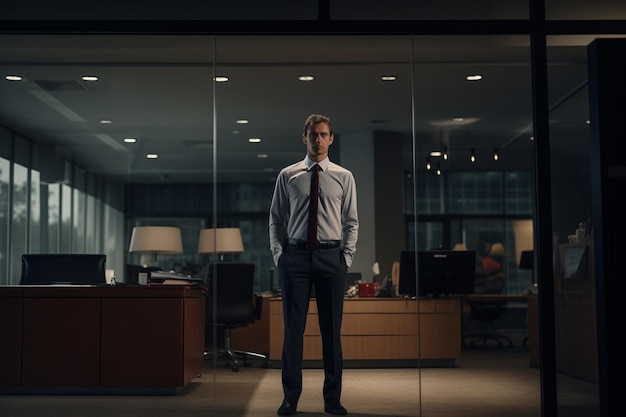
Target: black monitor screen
x,y
441,273
87,269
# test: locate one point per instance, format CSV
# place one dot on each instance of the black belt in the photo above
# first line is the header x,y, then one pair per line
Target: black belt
x,y
324,244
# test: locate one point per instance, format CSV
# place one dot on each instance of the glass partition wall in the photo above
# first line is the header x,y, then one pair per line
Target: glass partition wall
x,y
471,189
220,116
575,310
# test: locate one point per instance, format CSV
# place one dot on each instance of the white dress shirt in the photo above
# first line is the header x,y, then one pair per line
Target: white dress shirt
x,y
337,212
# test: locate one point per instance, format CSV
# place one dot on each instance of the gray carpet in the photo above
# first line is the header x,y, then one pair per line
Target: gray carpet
x,y
486,383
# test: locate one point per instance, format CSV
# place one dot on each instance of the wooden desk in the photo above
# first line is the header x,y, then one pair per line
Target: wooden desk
x,y
376,330
498,297
575,319
82,339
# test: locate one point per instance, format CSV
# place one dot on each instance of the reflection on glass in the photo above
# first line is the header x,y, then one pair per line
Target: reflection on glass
x,y
575,310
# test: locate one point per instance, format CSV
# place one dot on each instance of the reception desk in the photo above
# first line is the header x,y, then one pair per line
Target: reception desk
x,y
84,339
382,331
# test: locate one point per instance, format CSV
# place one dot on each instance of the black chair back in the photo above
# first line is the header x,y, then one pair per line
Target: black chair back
x,y
233,286
84,269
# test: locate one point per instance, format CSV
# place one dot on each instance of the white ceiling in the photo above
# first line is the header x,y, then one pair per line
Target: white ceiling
x,y
159,89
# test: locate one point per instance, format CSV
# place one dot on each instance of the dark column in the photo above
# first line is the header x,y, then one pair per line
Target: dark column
x,y
607,95
388,203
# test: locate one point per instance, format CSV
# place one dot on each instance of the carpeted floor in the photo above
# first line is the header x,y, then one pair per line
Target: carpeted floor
x,y
494,383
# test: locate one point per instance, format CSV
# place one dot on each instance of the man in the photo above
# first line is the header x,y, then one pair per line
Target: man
x,y
322,262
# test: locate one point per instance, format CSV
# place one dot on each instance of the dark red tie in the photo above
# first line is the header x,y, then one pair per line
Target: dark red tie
x,y
311,234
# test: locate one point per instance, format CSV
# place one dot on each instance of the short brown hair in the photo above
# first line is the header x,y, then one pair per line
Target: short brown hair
x,y
315,119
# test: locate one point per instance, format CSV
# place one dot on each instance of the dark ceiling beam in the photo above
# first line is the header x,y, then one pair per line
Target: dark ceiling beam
x,y
268,27
313,27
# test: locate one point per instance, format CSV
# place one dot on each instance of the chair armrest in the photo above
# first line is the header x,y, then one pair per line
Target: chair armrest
x,y
258,306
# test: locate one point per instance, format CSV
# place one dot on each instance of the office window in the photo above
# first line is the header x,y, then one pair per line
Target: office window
x,y
93,219
91,242
244,198
5,167
34,226
474,192
53,224
518,193
429,235
112,235
19,221
430,194
66,235
78,221
78,210
471,193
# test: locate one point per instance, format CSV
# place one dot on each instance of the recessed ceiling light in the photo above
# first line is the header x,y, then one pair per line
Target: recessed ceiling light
x,y
13,78
435,153
130,140
475,77
220,79
106,121
262,155
89,78
152,156
306,78
254,140
458,119
388,78
242,122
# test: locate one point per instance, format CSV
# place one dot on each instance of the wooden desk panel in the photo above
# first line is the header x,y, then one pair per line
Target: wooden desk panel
x,y
152,341
61,342
382,329
11,319
103,337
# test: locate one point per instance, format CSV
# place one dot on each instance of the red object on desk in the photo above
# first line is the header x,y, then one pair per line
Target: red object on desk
x,y
368,289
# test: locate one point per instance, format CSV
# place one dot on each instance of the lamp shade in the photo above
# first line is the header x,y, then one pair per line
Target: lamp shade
x,y
222,240
497,249
156,239
460,246
526,260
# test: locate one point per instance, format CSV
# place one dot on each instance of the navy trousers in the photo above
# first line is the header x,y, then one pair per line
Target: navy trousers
x,y
300,270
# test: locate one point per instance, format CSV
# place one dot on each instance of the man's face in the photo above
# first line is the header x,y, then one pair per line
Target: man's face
x,y
318,140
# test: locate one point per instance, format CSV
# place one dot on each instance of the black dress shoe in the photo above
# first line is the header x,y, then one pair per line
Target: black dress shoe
x,y
287,408
335,408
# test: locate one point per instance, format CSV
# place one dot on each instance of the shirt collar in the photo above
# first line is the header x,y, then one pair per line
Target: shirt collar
x,y
323,163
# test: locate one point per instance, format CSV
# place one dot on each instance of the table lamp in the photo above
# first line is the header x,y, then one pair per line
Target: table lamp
x,y
153,240
527,261
497,249
220,241
459,246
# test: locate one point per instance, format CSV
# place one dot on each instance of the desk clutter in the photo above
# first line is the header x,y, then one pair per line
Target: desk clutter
x,y
171,278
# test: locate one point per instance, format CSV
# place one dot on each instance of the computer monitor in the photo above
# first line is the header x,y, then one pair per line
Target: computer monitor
x,y
441,273
85,269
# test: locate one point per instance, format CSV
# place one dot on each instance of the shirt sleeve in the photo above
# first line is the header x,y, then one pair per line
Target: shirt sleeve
x,y
278,218
350,220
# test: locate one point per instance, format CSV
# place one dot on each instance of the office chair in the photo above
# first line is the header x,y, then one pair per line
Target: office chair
x,y
483,315
70,268
231,303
